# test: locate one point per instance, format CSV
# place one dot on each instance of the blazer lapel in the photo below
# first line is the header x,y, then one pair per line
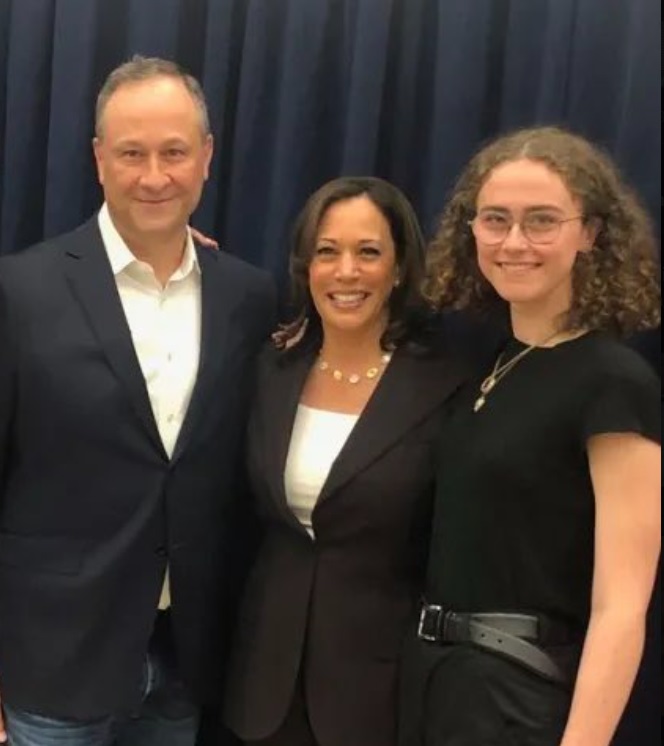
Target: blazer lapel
x,y
410,389
278,409
92,282
219,298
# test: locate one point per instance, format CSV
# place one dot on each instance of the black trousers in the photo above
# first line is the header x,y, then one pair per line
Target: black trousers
x,y
460,695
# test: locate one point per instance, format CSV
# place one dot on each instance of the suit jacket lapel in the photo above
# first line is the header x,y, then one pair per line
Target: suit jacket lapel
x,y
410,389
279,402
92,282
219,298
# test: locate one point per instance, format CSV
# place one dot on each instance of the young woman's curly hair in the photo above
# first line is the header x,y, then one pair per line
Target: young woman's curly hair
x,y
615,286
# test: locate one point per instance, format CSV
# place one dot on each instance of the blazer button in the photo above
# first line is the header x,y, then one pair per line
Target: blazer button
x,y
161,552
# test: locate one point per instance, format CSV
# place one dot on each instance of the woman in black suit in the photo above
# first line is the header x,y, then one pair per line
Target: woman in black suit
x,y
341,463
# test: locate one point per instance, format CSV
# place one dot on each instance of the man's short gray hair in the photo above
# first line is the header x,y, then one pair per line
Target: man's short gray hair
x,y
139,69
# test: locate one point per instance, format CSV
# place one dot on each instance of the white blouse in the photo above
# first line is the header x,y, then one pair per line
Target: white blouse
x,y
316,440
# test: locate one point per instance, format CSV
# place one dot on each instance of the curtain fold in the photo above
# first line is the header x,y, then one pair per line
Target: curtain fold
x,y
301,91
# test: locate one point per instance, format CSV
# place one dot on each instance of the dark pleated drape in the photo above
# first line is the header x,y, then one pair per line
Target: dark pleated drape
x,y
303,90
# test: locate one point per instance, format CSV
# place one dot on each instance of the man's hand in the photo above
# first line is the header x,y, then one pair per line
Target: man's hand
x,y
203,240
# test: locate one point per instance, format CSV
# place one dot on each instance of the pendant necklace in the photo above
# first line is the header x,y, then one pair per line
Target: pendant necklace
x,y
500,371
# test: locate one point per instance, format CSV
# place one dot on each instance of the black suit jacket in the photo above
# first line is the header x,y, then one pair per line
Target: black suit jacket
x,y
91,507
335,610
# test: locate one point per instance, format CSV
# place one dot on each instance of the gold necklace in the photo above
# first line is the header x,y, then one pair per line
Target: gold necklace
x,y
370,373
500,371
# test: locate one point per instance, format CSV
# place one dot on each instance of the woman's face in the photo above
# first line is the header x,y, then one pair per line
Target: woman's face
x,y
528,230
353,267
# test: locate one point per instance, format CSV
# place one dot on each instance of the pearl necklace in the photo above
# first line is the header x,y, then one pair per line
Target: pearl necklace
x,y
354,378
500,371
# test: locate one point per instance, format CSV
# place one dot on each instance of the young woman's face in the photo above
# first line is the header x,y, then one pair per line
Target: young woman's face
x,y
528,230
353,267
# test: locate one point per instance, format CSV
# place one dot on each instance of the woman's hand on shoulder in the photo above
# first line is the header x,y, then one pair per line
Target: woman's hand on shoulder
x,y
203,240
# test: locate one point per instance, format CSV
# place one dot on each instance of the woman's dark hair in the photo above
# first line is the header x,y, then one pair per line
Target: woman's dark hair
x,y
406,306
615,286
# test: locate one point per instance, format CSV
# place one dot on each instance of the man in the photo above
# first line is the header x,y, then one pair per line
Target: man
x,y
125,365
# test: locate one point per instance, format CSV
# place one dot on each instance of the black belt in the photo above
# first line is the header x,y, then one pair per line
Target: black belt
x,y
514,636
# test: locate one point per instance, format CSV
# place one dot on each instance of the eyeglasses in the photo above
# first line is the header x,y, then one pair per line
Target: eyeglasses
x,y
538,227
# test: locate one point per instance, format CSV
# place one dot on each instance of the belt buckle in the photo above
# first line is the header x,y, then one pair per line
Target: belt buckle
x,y
422,625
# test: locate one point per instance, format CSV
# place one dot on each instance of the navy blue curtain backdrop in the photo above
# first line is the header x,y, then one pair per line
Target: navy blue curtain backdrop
x,y
301,91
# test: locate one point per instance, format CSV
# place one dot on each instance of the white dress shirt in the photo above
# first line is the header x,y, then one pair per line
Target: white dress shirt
x,y
165,326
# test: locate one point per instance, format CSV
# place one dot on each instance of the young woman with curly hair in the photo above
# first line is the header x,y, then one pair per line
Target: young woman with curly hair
x,y
546,529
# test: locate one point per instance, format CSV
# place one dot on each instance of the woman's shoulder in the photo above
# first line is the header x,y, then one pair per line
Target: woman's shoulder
x,y
607,356
458,339
620,391
276,356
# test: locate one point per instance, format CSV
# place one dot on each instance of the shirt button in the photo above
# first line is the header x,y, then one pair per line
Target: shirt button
x,y
170,418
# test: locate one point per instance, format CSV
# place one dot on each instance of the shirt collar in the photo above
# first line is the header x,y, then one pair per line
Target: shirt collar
x,y
121,257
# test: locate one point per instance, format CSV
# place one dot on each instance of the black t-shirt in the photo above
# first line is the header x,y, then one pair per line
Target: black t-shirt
x,y
514,519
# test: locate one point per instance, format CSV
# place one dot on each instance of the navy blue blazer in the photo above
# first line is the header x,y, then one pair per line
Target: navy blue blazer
x,y
91,507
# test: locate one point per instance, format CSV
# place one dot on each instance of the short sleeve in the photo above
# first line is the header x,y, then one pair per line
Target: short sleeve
x,y
625,402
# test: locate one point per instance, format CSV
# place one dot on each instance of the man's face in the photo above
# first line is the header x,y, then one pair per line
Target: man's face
x,y
152,159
